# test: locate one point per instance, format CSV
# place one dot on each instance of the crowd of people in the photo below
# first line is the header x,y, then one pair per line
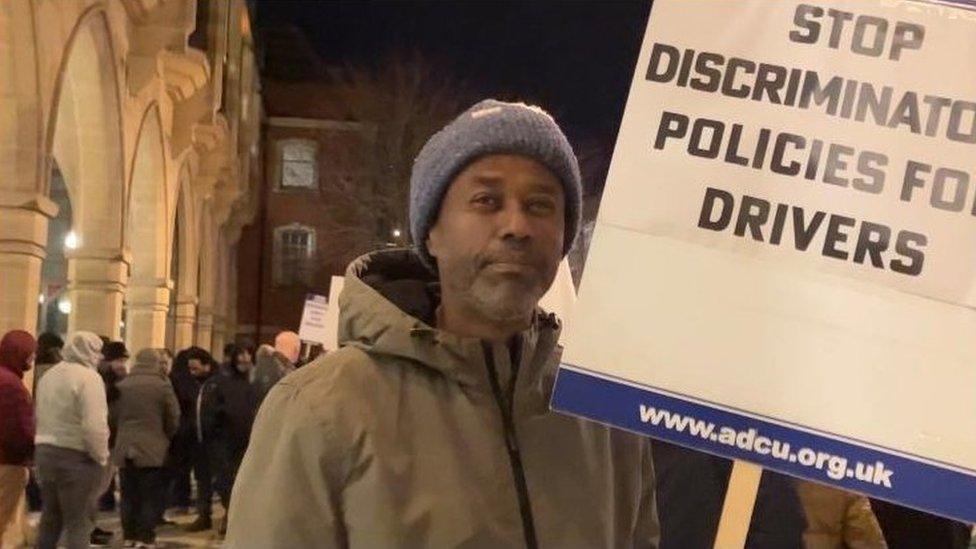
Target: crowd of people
x,y
101,422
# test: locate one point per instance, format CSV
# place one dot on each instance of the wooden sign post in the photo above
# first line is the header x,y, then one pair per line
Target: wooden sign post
x,y
740,500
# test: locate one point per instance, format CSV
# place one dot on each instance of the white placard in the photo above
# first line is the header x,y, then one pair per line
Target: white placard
x,y
314,328
783,270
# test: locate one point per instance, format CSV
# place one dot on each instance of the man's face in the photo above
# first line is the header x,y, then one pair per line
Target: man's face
x,y
244,357
118,366
198,368
499,236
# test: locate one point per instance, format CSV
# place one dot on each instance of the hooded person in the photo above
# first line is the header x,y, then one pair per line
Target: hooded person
x,y
17,350
430,425
147,416
71,442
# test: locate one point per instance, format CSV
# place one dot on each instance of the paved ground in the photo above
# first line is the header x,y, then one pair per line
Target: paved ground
x,y
168,537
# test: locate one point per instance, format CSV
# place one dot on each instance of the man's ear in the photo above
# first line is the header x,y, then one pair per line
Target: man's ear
x,y
432,241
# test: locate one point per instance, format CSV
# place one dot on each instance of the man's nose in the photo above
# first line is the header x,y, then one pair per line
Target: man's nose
x,y
516,224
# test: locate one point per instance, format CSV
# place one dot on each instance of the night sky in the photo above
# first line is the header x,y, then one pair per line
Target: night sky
x,y
574,58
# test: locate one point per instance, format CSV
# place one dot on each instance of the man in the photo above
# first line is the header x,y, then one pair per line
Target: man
x,y
147,416
269,368
227,408
71,442
430,426
200,366
48,354
17,350
112,369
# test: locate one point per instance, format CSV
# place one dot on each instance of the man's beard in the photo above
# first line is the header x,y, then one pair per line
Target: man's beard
x,y
505,301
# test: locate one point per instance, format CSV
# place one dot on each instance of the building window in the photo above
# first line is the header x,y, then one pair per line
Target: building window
x,y
299,169
294,255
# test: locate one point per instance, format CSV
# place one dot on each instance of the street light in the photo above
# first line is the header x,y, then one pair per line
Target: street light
x,y
71,240
64,305
396,233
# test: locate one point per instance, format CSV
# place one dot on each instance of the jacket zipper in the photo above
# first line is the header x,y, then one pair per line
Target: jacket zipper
x,y
505,408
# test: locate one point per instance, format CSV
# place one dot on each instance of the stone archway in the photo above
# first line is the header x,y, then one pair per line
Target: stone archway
x,y
183,269
147,235
85,139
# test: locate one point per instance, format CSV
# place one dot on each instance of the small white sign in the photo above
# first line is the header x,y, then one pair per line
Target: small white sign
x,y
314,327
331,341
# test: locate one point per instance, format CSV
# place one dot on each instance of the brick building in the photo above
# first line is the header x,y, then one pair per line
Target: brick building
x,y
299,238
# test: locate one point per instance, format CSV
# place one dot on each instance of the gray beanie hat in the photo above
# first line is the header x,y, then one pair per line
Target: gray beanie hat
x,y
490,127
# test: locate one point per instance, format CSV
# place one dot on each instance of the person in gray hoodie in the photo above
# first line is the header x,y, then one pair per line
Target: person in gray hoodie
x,y
147,416
71,441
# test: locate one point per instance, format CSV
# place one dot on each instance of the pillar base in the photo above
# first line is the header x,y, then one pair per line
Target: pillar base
x,y
147,303
96,289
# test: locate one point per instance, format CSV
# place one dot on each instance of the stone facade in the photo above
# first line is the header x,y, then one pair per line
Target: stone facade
x,y
149,110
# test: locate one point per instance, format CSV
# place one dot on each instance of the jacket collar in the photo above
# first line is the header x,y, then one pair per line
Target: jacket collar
x,y
387,307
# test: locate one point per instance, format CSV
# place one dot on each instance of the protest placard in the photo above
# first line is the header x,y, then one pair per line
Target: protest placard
x,y
783,269
313,328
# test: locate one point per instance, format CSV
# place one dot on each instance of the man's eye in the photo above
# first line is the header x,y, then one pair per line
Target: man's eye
x,y
485,200
541,207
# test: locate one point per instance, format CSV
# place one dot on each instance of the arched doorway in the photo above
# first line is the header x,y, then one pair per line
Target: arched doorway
x,y
148,237
54,305
181,318
84,140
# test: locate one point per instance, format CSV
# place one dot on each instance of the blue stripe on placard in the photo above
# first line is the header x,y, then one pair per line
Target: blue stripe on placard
x,y
924,484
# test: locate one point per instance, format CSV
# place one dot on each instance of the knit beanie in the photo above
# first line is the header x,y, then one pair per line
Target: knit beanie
x,y
490,127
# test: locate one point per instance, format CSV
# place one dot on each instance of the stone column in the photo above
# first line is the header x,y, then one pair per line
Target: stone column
x,y
186,318
23,237
219,334
96,289
147,303
205,320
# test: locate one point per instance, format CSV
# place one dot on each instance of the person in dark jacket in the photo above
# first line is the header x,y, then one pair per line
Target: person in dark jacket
x,y
906,528
176,471
49,347
200,367
691,488
16,420
227,407
147,416
48,354
112,369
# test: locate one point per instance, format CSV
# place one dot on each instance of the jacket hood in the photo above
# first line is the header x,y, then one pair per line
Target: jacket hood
x,y
388,304
83,348
16,347
149,362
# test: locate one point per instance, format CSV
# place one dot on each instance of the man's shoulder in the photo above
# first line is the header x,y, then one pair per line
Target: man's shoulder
x,y
343,368
342,379
12,384
78,371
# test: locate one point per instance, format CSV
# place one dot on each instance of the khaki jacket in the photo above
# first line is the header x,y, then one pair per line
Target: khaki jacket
x,y
837,519
402,438
147,415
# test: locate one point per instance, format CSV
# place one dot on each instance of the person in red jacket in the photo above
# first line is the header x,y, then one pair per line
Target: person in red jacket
x,y
17,350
